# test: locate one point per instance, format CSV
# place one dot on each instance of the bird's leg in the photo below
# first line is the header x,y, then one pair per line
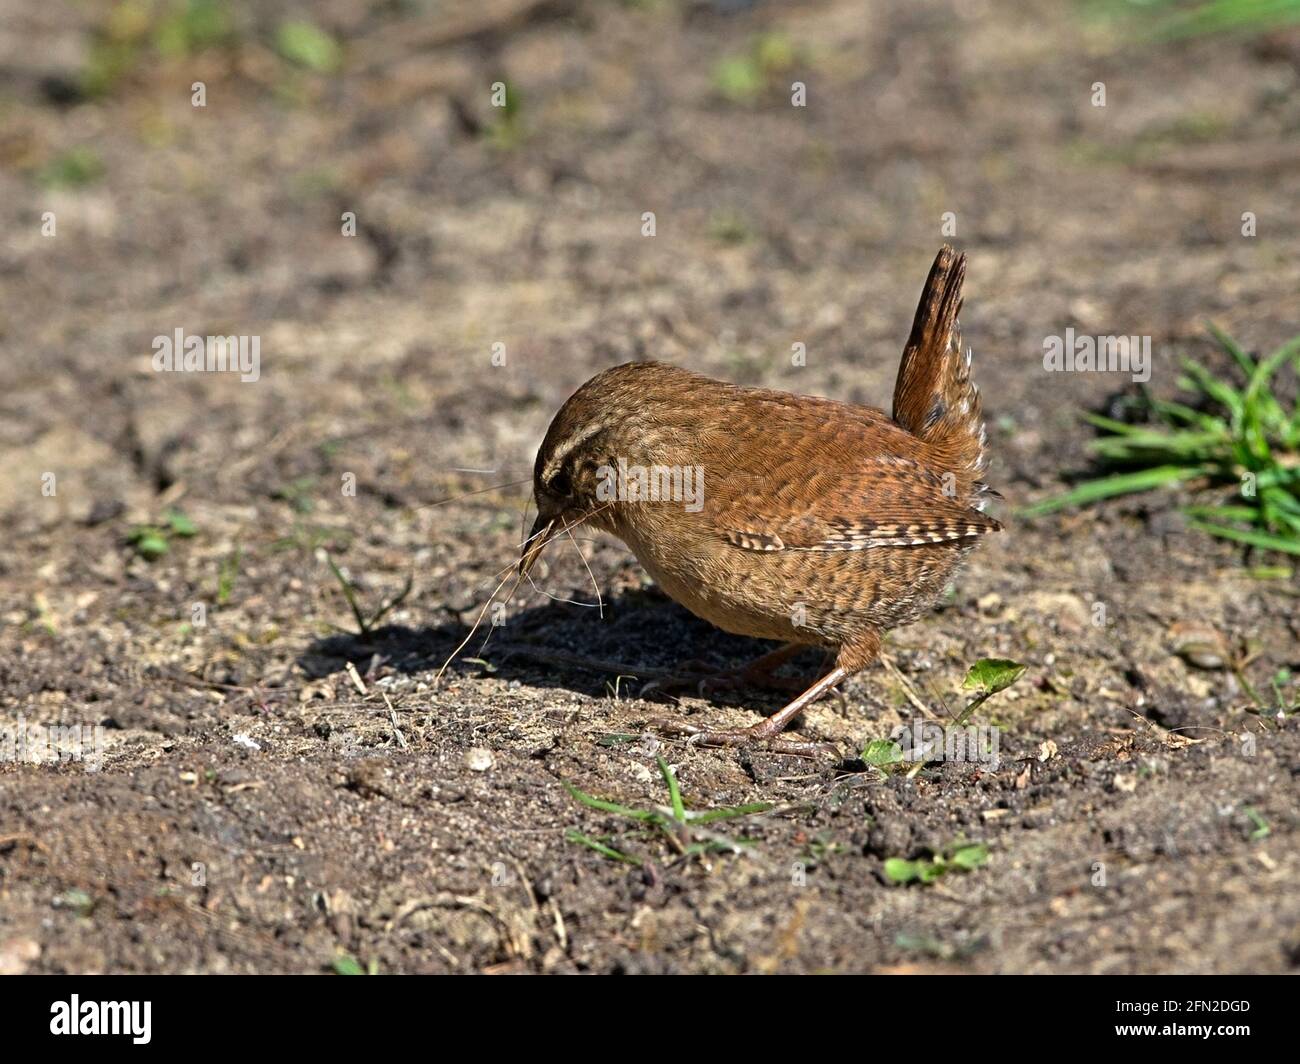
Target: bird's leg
x,y
765,731
853,655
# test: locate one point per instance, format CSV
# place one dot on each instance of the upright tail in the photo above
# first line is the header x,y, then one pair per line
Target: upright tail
x,y
935,398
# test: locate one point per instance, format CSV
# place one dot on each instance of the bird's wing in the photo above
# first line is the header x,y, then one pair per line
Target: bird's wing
x,y
883,501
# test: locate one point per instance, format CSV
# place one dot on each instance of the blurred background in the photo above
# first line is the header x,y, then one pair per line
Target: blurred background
x,y
433,215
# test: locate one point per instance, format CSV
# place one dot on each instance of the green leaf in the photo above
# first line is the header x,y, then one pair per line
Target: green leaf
x,y
346,964
72,169
348,593
902,871
881,753
1262,830
180,524
931,870
148,542
968,858
192,26
308,46
991,675
1223,513
1172,411
739,78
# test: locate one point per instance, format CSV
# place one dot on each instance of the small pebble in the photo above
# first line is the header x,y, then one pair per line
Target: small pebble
x,y
479,759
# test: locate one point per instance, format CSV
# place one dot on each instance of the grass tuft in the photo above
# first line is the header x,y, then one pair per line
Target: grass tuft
x,y
683,828
367,623
1235,434
1179,19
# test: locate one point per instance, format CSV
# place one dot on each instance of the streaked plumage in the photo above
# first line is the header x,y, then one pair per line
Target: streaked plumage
x,y
821,522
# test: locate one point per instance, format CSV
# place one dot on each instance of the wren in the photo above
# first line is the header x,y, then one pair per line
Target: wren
x,y
781,516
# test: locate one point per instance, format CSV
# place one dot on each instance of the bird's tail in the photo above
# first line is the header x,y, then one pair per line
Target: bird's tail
x,y
934,397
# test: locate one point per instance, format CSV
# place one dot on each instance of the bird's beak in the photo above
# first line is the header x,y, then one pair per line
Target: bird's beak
x,y
544,528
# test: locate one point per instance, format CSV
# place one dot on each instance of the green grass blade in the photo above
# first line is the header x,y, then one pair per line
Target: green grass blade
x,y
599,847
1258,389
1262,540
1224,513
609,807
1182,412
728,812
1120,484
1164,446
1282,499
349,594
1224,394
1227,16
1233,348
674,791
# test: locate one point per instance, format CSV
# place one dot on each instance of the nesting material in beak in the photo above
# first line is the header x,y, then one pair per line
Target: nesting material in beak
x,y
544,529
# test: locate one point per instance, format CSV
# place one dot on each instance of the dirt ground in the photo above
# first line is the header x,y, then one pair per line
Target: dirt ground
x,y
259,808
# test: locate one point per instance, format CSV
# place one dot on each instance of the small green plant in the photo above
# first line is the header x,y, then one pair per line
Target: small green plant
x,y
153,541
346,964
226,575
744,77
961,858
366,624
78,900
1175,19
307,45
73,169
131,30
987,677
1261,829
822,846
684,829
1239,437
298,494
730,227
884,754
1286,692
506,130
190,26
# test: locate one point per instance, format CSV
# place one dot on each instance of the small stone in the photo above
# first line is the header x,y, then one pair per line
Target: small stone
x,y
479,759
16,954
1198,644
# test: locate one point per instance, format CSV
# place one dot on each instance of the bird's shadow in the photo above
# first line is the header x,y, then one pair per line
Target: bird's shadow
x,y
638,636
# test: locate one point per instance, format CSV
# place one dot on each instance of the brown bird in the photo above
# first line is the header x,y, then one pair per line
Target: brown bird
x,y
782,516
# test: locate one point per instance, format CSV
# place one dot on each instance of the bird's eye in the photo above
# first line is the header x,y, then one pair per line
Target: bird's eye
x,y
560,484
